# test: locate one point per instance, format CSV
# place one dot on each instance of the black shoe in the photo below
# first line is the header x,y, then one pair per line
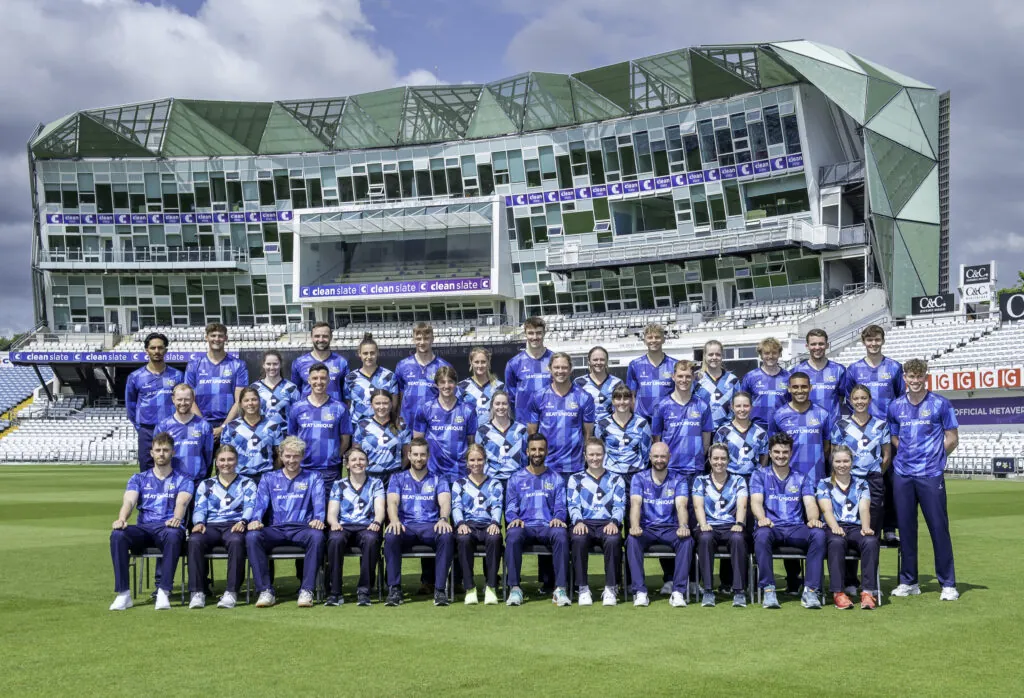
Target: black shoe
x,y
890,539
425,589
545,591
394,597
440,598
793,590
332,600
363,598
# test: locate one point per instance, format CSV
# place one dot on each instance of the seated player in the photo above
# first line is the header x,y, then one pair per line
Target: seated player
x,y
476,510
845,503
535,513
161,495
720,505
596,501
355,515
781,499
658,514
224,505
296,499
419,504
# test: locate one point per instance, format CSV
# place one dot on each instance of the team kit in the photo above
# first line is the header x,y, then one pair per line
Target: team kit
x,y
682,461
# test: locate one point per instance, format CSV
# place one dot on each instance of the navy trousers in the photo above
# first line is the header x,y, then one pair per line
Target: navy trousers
x,y
811,540
145,432
467,543
417,534
199,546
930,494
636,546
135,539
611,546
867,546
369,553
557,539
260,543
707,546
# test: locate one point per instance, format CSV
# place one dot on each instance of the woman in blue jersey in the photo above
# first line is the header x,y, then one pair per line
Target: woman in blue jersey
x,y
868,439
626,436
254,436
845,504
361,383
478,390
276,394
383,438
598,383
355,516
503,440
714,384
448,425
747,442
720,505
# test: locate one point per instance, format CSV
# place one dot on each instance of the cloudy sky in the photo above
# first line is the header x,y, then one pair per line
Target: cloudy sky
x,y
60,56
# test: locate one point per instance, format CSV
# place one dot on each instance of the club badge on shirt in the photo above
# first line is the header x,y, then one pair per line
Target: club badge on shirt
x,y
813,421
926,412
792,489
168,382
548,486
302,486
225,371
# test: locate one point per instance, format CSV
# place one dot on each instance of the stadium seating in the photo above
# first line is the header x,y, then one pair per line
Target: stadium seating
x,y
17,384
1000,347
925,341
91,435
977,449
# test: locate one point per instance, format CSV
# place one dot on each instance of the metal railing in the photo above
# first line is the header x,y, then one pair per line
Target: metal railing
x,y
146,255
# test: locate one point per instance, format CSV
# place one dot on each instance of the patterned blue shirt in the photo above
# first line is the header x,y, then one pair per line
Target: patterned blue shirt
x,y
659,501
921,432
416,384
525,376
626,447
650,384
147,395
535,499
193,445
418,503
561,419
358,389
768,393
600,394
597,500
321,428
383,446
356,505
217,504
479,396
477,503
718,394
783,499
277,400
810,431
827,385
845,503
215,384
682,427
255,444
448,433
337,369
866,442
745,447
885,383
720,506
506,450
292,501
156,496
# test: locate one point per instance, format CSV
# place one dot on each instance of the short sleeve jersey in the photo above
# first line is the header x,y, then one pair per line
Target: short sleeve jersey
x,y
277,400
479,396
810,430
418,502
255,444
884,381
718,394
382,444
768,393
215,384
337,369
359,387
921,431
783,498
866,442
157,497
845,503
746,447
321,427
447,432
720,505
560,418
506,450
626,447
356,504
416,384
525,376
658,507
649,383
601,393
682,427
193,445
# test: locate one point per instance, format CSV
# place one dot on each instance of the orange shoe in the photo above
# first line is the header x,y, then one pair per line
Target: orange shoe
x,y
867,600
842,601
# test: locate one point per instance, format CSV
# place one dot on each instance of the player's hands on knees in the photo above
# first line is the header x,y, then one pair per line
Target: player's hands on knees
x,y
764,522
255,525
442,526
374,526
817,523
636,531
494,529
838,530
683,532
517,523
119,525
611,529
172,522
865,531
338,527
239,527
463,529
317,525
579,529
395,527
557,523
201,528
705,527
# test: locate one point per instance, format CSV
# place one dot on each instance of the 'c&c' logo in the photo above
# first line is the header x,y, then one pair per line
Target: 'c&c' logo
x,y
930,302
1012,306
976,273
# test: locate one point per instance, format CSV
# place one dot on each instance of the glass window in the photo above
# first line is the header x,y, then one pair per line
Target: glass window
x,y
773,125
707,141
792,134
758,142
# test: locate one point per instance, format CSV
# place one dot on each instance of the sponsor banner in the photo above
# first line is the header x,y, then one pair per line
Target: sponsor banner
x,y
1004,466
396,288
1011,307
930,305
989,410
5,359
170,218
976,293
977,379
100,357
976,274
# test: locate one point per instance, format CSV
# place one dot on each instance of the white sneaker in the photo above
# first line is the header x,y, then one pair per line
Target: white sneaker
x,y
586,598
609,597
266,599
640,599
907,590
228,600
122,602
198,600
949,594
677,600
850,591
163,601
305,599
666,589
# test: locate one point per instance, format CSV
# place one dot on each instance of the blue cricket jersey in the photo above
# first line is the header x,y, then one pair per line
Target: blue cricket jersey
x,y
479,396
277,401
626,447
658,507
885,383
745,447
768,393
383,445
156,496
921,431
845,503
359,387
525,376
255,444
337,369
418,503
783,499
596,499
215,384
718,394
356,504
560,419
506,450
720,505
321,428
193,445
217,504
448,432
682,427
866,442
650,384
810,431
827,385
297,500
473,503
416,384
147,395
535,499
600,394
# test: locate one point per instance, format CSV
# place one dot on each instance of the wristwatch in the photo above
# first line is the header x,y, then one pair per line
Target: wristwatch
x,y
244,522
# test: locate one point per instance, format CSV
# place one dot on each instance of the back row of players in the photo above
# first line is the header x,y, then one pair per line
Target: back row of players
x,y
331,408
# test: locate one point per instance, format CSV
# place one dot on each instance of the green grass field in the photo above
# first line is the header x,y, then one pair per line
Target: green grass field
x,y
57,637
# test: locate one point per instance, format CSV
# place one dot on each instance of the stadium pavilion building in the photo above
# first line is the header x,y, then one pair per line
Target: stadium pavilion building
x,y
714,175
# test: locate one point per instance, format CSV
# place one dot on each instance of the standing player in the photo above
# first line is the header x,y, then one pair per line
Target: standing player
x,y
147,395
766,384
415,374
527,373
714,384
296,499
827,378
720,505
277,395
382,438
626,436
355,515
746,441
419,504
217,380
924,432
809,425
448,424
596,500
323,425
254,436
535,513
361,384
476,511
321,355
781,499
161,495
504,441
658,514
870,442
564,414
599,384
193,436
650,376
478,390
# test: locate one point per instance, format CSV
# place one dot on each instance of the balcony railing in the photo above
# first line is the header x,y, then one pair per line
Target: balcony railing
x,y
841,173
153,257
